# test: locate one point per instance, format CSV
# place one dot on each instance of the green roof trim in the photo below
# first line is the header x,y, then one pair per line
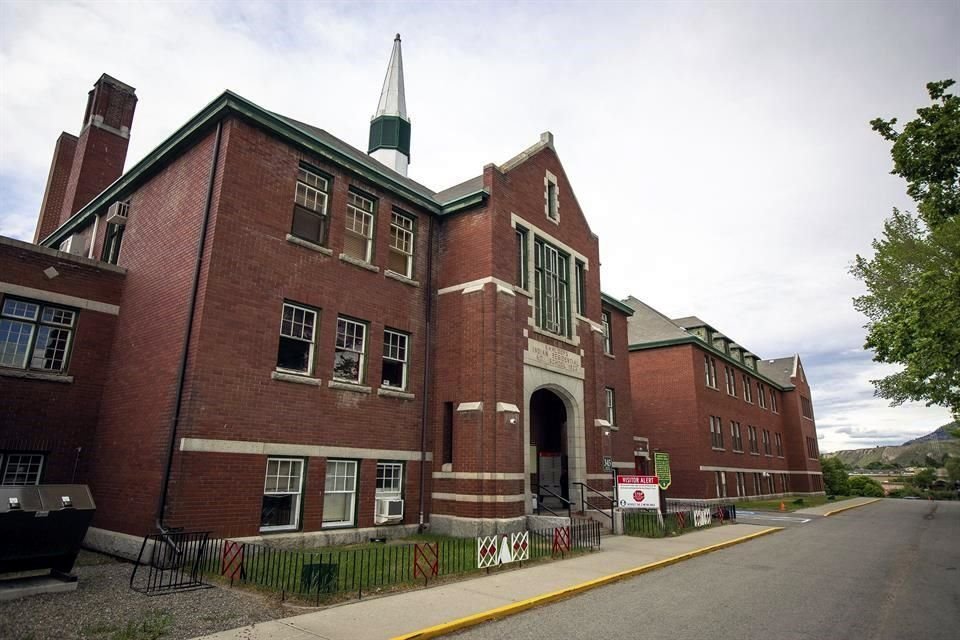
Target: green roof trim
x,y
229,103
660,344
616,304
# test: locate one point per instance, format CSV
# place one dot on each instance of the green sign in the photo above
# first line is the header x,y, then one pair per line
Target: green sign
x,y
607,464
661,464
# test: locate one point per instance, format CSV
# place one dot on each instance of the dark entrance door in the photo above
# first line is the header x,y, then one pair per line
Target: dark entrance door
x,y
548,433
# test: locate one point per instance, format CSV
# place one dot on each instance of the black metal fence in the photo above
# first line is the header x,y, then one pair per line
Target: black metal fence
x,y
680,516
319,574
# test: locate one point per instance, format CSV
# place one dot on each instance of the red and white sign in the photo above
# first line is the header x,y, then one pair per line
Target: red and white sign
x,y
638,492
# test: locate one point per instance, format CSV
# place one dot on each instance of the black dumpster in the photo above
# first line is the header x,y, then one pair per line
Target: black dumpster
x,y
42,526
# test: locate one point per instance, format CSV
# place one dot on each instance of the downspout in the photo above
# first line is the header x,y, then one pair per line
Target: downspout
x,y
182,369
424,408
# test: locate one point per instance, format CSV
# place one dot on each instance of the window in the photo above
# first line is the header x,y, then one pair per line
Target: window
x,y
806,407
553,210
773,401
761,396
348,359
34,335
766,442
752,437
741,483
779,444
552,293
389,479
523,277
340,493
770,486
607,338
786,483
721,479
716,432
730,377
394,359
611,406
281,494
297,335
581,287
21,469
310,207
747,395
111,243
757,487
358,240
447,433
400,259
710,371
812,451
736,436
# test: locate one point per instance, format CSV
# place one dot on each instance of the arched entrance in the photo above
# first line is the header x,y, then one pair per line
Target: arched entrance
x,y
548,433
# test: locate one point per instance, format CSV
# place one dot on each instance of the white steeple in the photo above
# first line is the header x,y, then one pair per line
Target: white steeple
x,y
390,127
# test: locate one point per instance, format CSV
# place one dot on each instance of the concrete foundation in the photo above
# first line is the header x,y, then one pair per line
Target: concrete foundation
x,y
473,527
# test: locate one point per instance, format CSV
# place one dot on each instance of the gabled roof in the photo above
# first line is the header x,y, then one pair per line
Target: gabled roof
x,y
649,325
298,134
780,370
460,190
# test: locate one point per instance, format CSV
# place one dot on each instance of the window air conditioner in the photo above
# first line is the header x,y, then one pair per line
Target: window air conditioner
x,y
117,213
389,509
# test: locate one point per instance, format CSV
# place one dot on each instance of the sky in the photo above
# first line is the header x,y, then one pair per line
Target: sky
x,y
721,151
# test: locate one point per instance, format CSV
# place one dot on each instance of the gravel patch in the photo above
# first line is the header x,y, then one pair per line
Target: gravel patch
x,y
105,608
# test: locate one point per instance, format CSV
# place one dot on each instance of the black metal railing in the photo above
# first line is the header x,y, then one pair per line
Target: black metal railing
x,y
680,516
319,574
541,506
587,505
171,561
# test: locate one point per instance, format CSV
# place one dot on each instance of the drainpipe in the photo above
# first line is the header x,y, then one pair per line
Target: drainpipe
x,y
424,407
182,369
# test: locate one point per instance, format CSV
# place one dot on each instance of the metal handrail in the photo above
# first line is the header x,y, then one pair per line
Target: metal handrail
x,y
586,503
541,490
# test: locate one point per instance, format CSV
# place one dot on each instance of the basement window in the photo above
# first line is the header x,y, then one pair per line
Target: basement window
x,y
35,336
20,469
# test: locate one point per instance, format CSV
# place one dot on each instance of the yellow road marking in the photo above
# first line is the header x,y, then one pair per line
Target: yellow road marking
x,y
536,601
852,506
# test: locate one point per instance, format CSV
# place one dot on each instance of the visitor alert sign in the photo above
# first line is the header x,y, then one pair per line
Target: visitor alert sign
x,y
638,492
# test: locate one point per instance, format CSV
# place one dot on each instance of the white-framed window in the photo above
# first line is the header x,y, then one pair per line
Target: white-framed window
x,y
395,355
21,469
741,484
523,277
340,493
358,239
611,397
710,371
552,197
716,432
761,396
400,259
766,441
282,491
389,479
736,436
773,401
310,207
730,377
721,479
752,437
607,337
552,288
747,394
581,279
779,440
350,355
297,339
34,335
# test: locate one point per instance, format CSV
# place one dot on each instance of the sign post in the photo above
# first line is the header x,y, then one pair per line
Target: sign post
x,y
638,492
661,466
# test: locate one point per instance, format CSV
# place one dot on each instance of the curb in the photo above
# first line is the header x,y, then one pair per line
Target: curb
x,y
853,506
536,601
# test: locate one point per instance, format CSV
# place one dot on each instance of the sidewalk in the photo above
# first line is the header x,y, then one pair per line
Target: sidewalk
x,y
831,508
411,611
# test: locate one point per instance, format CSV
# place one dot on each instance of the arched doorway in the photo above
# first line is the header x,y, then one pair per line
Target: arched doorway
x,y
548,433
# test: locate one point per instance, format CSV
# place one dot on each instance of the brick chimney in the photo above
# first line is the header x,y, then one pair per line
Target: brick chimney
x,y
83,167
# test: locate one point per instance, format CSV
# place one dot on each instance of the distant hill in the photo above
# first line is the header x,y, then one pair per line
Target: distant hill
x,y
913,453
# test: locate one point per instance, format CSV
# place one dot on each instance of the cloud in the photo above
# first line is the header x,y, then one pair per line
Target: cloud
x,y
721,152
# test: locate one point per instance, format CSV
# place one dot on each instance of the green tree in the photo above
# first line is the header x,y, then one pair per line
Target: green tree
x,y
864,486
924,478
912,303
835,476
953,468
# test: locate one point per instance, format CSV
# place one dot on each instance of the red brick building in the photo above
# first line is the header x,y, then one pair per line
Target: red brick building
x,y
275,333
734,425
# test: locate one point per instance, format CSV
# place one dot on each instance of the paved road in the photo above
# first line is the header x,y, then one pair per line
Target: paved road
x,y
890,570
774,518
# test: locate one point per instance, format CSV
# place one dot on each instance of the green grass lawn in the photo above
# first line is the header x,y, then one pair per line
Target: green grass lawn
x,y
789,504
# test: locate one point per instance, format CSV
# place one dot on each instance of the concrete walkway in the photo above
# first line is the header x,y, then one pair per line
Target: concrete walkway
x,y
445,608
831,508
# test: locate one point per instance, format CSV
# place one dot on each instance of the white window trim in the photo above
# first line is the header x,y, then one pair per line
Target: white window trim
x,y
313,342
361,370
405,361
299,501
408,273
605,319
392,493
610,396
364,214
5,460
332,524
550,179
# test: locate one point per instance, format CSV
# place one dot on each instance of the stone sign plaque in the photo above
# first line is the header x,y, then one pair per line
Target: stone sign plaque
x,y
553,357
